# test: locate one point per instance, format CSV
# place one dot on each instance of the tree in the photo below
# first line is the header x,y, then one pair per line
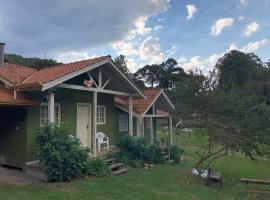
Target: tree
x,y
235,68
121,62
30,62
235,118
161,75
150,74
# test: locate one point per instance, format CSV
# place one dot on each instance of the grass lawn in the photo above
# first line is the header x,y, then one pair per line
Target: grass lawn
x,y
164,182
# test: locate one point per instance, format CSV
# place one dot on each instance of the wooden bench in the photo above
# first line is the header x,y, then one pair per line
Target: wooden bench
x,y
255,181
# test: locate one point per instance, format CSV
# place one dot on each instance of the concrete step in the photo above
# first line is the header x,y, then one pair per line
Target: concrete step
x,y
120,171
116,165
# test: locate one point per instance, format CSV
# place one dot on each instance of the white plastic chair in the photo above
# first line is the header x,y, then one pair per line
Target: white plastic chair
x,y
101,138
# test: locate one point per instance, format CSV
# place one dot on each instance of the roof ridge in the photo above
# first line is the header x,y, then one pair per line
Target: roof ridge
x,y
31,75
75,62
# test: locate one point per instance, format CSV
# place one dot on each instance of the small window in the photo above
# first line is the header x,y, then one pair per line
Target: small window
x,y
123,123
44,113
101,115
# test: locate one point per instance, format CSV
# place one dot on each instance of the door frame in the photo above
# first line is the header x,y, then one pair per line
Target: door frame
x,y
89,134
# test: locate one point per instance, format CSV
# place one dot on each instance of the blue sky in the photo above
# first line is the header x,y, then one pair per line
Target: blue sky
x,y
196,33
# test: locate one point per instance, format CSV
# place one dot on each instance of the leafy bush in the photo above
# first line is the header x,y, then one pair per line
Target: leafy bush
x,y
62,155
135,152
176,153
96,167
153,154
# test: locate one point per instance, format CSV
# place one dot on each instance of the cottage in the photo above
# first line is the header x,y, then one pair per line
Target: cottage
x,y
88,96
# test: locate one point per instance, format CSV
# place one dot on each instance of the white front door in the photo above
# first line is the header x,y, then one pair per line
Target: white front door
x,y
84,123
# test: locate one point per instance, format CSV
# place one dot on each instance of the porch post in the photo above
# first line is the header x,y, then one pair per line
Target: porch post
x,y
151,131
130,113
94,127
51,107
170,131
138,125
142,127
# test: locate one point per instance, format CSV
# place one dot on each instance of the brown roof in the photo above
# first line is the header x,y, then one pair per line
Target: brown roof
x,y
140,106
15,73
7,98
28,77
46,75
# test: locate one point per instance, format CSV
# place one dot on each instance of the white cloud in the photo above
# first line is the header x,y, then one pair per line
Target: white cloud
x,y
241,18
85,22
254,46
243,3
150,51
232,47
198,63
220,24
251,29
161,19
71,56
157,27
170,51
191,10
140,25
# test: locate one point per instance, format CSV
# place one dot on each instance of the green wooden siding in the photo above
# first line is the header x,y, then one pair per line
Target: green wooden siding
x,y
69,100
13,136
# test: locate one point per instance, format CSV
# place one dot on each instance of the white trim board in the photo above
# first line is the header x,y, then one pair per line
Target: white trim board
x,y
153,102
100,90
51,84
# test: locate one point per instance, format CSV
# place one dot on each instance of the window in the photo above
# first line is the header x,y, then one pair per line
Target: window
x,y
44,113
101,115
123,123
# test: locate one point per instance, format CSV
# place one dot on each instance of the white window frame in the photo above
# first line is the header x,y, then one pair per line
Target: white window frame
x,y
98,115
58,105
123,128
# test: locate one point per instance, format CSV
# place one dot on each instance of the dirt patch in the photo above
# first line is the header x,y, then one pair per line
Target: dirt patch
x,y
16,177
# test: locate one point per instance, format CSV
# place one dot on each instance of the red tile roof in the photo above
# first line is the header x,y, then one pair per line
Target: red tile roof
x,y
15,73
140,106
28,77
7,98
46,75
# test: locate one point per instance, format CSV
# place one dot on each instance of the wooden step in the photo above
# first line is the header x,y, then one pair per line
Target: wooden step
x,y
109,160
166,157
116,165
120,171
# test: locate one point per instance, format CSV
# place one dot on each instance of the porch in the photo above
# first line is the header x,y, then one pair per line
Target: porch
x,y
100,85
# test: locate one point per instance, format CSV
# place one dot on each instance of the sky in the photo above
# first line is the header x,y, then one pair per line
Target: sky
x,y
194,32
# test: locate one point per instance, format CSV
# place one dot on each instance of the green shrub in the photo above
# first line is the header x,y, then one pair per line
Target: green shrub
x,y
96,167
135,152
134,147
176,153
153,154
61,154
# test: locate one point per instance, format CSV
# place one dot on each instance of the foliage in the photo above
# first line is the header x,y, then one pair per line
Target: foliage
x,y
96,167
62,155
176,153
161,75
121,62
153,154
30,62
232,103
135,152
